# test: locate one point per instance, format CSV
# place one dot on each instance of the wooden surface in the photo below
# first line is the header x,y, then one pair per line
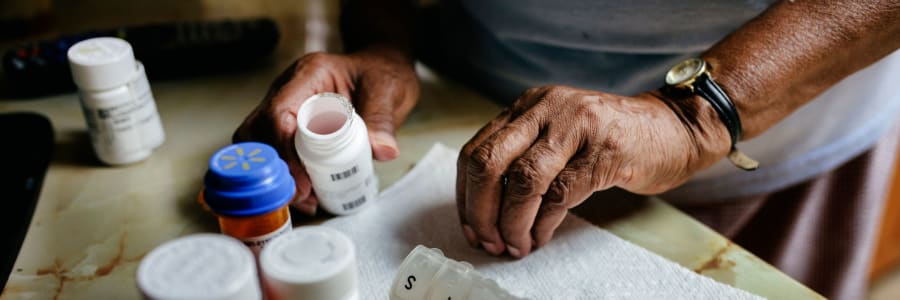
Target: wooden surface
x,y
887,253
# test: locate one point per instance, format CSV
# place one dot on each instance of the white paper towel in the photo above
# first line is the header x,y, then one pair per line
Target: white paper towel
x,y
581,262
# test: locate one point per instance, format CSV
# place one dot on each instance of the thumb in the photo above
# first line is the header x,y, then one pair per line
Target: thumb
x,y
384,145
377,110
381,133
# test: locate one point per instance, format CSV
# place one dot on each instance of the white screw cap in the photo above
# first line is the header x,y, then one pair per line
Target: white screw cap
x,y
200,266
310,262
102,63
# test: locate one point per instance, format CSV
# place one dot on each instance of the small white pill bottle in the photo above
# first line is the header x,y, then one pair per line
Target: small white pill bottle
x,y
333,143
310,263
116,100
200,266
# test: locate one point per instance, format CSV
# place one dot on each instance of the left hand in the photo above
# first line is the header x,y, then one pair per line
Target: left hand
x,y
557,145
380,80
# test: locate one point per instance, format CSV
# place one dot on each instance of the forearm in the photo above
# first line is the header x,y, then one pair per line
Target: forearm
x,y
388,25
796,50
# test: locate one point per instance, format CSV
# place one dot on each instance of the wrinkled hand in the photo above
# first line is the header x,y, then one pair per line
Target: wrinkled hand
x,y
381,83
555,146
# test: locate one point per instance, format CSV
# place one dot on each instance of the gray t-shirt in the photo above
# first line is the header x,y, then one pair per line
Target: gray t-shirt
x,y
625,47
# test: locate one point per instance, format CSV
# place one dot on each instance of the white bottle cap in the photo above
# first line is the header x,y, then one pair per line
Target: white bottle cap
x,y
200,266
310,262
102,63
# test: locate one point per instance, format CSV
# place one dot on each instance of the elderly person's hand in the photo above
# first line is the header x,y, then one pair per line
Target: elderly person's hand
x,y
556,145
380,82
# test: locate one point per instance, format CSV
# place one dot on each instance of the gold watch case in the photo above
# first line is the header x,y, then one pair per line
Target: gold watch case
x,y
685,73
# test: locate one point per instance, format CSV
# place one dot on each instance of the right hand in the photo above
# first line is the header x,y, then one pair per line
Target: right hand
x,y
381,82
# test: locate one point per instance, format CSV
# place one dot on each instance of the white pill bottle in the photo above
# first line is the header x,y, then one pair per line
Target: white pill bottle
x,y
333,143
116,100
201,266
310,263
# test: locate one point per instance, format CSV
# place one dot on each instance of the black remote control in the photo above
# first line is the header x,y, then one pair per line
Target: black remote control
x,y
28,140
168,50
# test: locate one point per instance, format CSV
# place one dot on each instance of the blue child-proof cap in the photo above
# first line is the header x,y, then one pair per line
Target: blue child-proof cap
x,y
247,179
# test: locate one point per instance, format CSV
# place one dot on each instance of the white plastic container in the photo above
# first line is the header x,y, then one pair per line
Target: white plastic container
x,y
333,143
427,274
200,267
116,100
310,263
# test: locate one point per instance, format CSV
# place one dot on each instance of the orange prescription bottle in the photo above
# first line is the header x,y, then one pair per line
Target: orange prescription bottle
x,y
248,187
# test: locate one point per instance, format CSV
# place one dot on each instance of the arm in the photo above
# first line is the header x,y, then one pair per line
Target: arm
x,y
519,175
796,50
376,72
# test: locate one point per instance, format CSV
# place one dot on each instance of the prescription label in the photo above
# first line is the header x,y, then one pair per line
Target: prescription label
x,y
257,243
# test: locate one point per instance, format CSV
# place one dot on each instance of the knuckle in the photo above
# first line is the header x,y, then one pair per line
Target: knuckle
x,y
552,89
314,58
626,176
589,110
276,127
312,65
559,189
379,119
606,173
532,91
551,208
483,162
523,176
555,91
529,98
465,154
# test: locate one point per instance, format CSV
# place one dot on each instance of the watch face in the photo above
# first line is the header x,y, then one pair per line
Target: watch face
x,y
685,71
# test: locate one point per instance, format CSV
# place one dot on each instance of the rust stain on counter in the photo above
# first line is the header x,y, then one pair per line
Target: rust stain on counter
x,y
108,267
717,261
718,267
62,274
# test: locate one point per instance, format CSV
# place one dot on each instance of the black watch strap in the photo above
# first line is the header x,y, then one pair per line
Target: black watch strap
x,y
709,90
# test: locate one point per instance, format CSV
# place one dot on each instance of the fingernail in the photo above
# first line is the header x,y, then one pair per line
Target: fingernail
x,y
513,251
470,236
385,146
491,248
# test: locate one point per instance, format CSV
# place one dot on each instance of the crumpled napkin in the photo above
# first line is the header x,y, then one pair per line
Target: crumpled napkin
x,y
582,261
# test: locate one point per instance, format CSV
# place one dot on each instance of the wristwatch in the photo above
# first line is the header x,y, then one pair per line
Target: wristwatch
x,y
693,75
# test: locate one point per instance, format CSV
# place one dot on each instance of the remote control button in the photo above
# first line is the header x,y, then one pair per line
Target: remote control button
x,y
17,64
37,62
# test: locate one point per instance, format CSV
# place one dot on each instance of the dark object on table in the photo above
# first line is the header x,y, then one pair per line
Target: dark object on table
x,y
169,50
26,151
